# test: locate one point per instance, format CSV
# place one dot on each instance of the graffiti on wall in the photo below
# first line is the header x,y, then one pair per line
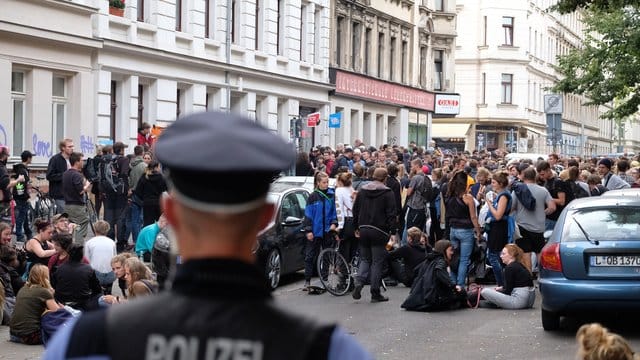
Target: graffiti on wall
x,y
42,147
3,136
86,145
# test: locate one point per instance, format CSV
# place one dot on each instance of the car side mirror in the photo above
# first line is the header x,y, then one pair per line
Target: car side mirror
x,y
291,221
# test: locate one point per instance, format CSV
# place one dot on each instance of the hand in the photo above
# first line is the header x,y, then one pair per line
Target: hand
x,y
498,288
20,178
458,288
332,227
310,236
110,299
357,233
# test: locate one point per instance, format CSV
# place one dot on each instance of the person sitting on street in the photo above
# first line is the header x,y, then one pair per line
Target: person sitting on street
x,y
76,283
518,291
62,243
10,279
99,250
412,254
139,278
147,237
433,289
598,343
32,300
61,224
39,248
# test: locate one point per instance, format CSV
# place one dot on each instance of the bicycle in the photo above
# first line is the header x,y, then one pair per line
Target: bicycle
x,y
335,273
43,208
91,212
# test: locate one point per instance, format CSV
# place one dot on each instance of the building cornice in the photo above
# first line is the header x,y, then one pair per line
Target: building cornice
x,y
49,35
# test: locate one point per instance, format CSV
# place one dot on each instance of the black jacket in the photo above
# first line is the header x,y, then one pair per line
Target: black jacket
x,y
413,256
150,188
394,185
20,190
433,289
75,282
57,166
4,183
212,303
375,206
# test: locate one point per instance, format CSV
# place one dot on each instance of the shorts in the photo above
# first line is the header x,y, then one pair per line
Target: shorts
x,y
530,241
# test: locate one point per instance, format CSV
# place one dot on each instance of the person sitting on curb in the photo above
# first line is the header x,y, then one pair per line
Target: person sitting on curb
x,y
147,237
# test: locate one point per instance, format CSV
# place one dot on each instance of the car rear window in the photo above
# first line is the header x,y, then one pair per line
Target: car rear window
x,y
617,223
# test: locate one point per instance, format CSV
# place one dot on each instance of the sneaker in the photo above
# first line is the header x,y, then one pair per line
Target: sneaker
x,y
306,285
356,294
378,298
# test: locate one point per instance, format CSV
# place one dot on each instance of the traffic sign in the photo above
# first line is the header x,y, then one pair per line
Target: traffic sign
x,y
313,119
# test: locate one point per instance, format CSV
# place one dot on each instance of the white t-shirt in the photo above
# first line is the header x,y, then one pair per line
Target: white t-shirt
x,y
532,220
344,204
100,250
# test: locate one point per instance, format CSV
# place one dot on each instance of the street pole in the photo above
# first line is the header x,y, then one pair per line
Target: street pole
x,y
227,74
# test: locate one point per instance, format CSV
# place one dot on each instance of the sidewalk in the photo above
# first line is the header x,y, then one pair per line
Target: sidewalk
x,y
13,351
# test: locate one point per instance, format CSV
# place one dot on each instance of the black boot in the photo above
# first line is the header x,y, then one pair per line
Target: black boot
x,y
356,294
378,298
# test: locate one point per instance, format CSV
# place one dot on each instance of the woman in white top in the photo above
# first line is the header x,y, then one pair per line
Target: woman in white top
x,y
344,203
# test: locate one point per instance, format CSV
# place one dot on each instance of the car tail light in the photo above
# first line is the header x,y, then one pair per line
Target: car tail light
x,y
550,257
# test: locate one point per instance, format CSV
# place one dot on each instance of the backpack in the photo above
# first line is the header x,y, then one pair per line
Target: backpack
x,y
524,195
91,169
110,180
577,190
427,190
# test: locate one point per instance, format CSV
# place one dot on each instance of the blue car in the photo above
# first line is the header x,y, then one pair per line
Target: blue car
x,y
592,259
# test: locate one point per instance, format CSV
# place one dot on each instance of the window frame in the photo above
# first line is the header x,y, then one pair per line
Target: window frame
x,y
18,96
508,30
506,89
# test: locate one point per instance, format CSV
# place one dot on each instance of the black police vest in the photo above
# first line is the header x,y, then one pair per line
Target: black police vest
x,y
204,325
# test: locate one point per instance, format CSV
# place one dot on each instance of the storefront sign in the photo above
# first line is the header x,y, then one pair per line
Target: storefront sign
x,y
360,86
313,119
447,104
334,120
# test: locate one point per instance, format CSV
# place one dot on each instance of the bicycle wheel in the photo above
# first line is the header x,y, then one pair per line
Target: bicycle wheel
x,y
333,271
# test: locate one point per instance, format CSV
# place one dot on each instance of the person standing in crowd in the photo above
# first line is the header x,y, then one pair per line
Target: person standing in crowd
x,y
58,164
416,203
137,168
559,190
35,297
375,221
115,201
344,211
462,218
623,167
498,227
320,223
6,184
518,291
74,189
21,196
531,223
144,135
304,167
216,219
393,183
99,250
595,185
610,180
150,186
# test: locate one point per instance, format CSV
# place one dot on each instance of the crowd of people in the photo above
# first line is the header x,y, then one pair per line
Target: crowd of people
x,y
66,264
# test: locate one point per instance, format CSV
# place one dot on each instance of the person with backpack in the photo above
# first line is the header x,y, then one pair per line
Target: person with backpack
x,y
114,184
560,192
137,168
58,164
416,203
579,188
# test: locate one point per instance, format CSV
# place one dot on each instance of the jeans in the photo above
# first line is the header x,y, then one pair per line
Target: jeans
x,y
22,222
106,281
520,298
496,265
372,258
464,240
311,249
136,221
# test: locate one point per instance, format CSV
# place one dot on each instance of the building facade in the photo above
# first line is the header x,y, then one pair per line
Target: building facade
x,y
387,60
73,70
505,60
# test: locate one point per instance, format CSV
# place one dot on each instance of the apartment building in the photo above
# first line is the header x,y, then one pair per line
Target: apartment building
x,y
72,69
505,60
388,61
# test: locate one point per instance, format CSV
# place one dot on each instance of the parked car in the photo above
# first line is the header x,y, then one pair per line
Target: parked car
x,y
302,181
592,259
280,247
622,192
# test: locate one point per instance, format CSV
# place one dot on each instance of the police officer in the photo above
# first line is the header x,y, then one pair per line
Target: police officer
x,y
219,306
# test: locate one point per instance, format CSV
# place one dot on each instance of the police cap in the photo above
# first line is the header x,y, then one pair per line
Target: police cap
x,y
219,162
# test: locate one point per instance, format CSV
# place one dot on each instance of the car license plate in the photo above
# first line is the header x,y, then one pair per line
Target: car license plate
x,y
615,260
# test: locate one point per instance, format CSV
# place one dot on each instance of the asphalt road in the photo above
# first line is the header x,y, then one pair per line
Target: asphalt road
x,y
390,332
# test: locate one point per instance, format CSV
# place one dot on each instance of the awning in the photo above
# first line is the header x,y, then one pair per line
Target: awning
x,y
534,130
449,130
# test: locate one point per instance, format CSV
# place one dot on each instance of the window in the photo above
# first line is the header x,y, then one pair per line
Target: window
x,y
506,88
18,96
367,50
484,31
439,5
507,26
209,18
403,62
178,101
355,46
280,25
317,31
423,66
438,69
380,53
59,93
392,55
257,28
234,21
140,10
484,88
303,32
140,105
112,114
178,15
339,25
